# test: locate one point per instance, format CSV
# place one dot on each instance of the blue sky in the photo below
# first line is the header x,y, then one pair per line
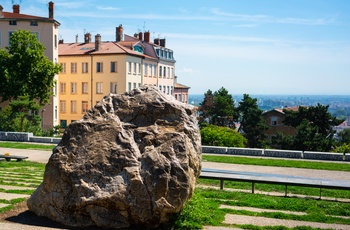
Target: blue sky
x,y
246,46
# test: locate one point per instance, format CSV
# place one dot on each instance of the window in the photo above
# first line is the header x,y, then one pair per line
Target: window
x,y
274,121
73,88
113,67
10,34
164,71
73,67
168,72
155,70
84,88
84,106
99,67
85,67
129,67
113,87
160,71
36,35
134,85
99,87
146,69
55,40
139,68
13,23
62,106
63,123
63,88
160,87
33,23
63,65
129,86
73,106
134,67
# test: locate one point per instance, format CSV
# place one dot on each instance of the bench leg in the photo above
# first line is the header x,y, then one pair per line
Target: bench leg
x,y
253,187
221,184
286,191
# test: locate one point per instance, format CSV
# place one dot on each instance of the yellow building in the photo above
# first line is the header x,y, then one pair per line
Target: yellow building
x,y
46,30
92,70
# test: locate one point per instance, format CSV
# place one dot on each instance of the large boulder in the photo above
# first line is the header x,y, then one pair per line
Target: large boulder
x,y
132,161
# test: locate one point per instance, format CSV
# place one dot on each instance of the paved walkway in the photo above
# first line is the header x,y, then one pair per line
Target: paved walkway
x,y
43,156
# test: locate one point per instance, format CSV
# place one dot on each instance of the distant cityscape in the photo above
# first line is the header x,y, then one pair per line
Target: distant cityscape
x,y
339,105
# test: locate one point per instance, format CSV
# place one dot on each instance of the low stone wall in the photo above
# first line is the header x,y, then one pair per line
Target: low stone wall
x,y
245,151
214,149
15,136
283,153
53,140
323,156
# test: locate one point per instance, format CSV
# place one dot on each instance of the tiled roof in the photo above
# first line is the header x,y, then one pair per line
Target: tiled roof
x,y
89,48
16,16
181,86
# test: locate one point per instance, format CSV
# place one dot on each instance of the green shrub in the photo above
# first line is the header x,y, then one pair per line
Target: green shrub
x,y
221,136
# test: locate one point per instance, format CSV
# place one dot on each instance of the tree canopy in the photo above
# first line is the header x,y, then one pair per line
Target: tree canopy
x,y
252,124
25,70
314,129
218,108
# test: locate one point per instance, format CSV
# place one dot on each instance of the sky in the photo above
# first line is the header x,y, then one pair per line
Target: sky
x,y
246,46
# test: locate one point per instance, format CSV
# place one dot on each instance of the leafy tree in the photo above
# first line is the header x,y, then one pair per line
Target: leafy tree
x,y
252,126
25,70
223,110
314,129
221,136
206,106
21,115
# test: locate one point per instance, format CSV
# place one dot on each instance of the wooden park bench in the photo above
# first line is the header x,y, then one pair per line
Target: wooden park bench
x,y
10,157
227,175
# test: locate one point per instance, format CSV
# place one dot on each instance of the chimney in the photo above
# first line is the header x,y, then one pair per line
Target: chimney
x,y
76,38
147,36
119,33
61,41
87,38
140,36
51,7
156,41
162,42
15,9
97,42
1,8
136,35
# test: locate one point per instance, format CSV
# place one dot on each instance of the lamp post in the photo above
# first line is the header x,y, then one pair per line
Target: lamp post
x,y
42,118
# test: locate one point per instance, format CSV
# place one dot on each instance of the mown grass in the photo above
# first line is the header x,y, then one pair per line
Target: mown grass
x,y
203,209
278,162
21,145
306,191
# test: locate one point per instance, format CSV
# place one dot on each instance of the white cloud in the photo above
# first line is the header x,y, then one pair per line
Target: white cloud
x,y
270,19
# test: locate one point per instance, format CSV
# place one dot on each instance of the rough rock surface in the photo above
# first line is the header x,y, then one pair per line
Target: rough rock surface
x,y
132,161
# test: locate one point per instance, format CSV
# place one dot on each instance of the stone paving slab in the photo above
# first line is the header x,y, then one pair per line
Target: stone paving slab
x,y
264,221
11,196
11,187
251,209
3,205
